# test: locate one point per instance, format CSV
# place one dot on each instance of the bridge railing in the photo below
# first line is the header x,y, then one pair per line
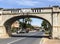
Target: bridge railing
x,y
32,10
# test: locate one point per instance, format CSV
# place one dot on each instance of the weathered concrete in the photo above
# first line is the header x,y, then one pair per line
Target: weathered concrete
x,y
3,33
50,14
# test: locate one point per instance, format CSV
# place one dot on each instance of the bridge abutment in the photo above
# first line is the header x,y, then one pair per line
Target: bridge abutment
x,y
55,32
3,33
56,22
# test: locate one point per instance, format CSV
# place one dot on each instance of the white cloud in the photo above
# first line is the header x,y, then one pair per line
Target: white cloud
x,y
54,1
27,2
33,3
23,2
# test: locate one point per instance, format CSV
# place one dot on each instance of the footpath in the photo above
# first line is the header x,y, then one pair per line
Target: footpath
x,y
50,41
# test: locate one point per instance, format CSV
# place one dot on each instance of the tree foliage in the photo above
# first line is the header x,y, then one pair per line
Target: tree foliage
x,y
45,25
26,23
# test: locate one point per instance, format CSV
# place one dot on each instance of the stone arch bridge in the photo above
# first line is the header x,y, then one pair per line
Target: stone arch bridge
x,y
50,14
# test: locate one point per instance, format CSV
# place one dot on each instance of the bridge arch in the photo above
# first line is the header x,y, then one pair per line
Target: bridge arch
x,y
9,22
49,14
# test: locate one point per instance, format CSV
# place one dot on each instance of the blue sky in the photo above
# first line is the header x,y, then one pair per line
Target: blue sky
x,y
28,4
35,21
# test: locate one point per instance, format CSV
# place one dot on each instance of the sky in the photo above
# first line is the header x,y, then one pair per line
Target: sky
x,y
34,22
29,4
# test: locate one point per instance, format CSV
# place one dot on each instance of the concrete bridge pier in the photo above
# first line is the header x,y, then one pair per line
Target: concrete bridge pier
x,y
3,33
54,32
56,25
59,32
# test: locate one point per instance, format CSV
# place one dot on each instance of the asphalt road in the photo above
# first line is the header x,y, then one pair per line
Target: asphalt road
x,y
26,38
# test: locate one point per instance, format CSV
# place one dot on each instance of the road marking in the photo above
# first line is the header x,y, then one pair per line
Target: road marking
x,y
42,40
15,41
19,39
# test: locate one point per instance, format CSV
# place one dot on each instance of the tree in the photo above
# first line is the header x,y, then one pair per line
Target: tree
x,y
26,23
28,20
45,25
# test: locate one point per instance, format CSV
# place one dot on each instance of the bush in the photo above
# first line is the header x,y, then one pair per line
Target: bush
x,y
47,32
13,29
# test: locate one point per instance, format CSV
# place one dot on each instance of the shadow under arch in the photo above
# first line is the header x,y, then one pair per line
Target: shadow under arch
x,y
9,22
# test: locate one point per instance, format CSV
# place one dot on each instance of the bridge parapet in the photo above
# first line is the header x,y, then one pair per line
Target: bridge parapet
x,y
32,10
56,9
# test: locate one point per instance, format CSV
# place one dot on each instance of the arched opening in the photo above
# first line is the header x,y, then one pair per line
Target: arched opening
x,y
9,22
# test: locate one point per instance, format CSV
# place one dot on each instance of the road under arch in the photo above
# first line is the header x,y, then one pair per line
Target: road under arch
x,y
10,21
